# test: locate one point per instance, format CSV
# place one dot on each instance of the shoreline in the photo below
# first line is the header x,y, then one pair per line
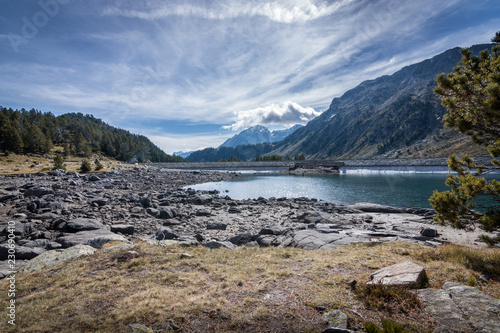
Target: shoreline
x,y
62,209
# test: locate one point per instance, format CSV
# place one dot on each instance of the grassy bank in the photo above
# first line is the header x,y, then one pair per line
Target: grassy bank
x,y
243,290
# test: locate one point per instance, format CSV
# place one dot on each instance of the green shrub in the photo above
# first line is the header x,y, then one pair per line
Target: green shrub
x,y
85,167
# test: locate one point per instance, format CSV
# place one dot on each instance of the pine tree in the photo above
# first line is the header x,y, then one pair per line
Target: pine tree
x,y
85,167
59,163
472,96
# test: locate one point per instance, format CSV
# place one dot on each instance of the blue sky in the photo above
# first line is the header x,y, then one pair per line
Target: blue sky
x,y
189,74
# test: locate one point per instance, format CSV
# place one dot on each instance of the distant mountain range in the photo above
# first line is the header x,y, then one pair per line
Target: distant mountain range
x,y
258,134
394,115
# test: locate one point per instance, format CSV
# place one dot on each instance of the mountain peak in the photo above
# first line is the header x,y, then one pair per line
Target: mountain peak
x,y
258,134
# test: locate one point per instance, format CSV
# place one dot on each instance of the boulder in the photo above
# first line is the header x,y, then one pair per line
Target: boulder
x,y
274,229
55,257
126,229
165,233
429,232
216,226
375,208
20,252
213,244
203,212
93,178
37,192
99,241
242,239
405,273
99,201
17,227
83,224
335,319
202,199
69,240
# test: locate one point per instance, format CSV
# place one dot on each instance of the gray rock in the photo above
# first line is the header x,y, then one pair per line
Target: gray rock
x,y
100,201
375,208
274,229
37,192
429,232
335,319
69,240
203,212
82,224
55,257
126,229
337,330
202,199
153,211
16,226
242,239
165,233
99,241
167,213
213,244
405,273
20,252
216,226
93,178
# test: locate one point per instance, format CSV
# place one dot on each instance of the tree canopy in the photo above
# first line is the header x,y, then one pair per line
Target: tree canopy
x,y
32,131
471,94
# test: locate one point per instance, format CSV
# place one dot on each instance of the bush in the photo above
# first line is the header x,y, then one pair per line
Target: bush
x,y
98,165
85,167
59,163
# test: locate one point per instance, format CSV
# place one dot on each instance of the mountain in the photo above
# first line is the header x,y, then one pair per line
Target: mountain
x,y
258,134
395,115
183,154
391,116
32,131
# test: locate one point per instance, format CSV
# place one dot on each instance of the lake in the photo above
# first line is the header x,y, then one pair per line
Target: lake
x,y
396,189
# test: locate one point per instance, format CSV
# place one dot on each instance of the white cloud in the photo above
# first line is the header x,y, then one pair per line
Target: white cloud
x,y
171,143
288,113
282,11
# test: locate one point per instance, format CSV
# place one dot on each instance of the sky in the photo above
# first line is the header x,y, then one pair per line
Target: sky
x,y
189,74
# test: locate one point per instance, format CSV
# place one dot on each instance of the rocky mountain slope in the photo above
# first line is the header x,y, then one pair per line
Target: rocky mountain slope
x,y
390,116
393,116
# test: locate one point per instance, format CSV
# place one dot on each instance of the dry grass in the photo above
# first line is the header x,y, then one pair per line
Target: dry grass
x,y
33,163
242,290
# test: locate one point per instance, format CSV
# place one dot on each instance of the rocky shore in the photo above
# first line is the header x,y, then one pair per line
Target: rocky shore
x,y
58,210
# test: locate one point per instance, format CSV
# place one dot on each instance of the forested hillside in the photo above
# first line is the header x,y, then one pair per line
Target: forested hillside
x,y
32,131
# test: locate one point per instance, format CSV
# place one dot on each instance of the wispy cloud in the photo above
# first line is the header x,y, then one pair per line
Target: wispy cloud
x,y
286,114
278,11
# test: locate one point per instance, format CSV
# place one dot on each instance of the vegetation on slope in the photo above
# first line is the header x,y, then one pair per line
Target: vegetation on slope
x,y
23,131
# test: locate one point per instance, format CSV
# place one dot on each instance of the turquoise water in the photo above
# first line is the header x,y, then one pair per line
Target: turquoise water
x,y
400,190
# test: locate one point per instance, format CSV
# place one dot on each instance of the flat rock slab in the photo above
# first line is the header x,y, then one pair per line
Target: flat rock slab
x,y
82,224
405,273
55,257
463,308
81,237
375,208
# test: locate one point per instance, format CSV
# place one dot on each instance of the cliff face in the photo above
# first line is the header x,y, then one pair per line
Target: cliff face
x,y
388,116
258,134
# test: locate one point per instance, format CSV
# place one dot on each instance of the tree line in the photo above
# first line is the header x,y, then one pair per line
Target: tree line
x,y
32,131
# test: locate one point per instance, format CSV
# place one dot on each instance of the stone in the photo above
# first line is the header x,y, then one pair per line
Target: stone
x,y
55,257
126,229
213,244
337,330
99,241
405,273
166,213
216,226
165,233
37,192
100,201
335,319
153,211
429,232
83,224
16,226
274,229
20,252
93,178
69,240
202,199
242,239
375,208
203,212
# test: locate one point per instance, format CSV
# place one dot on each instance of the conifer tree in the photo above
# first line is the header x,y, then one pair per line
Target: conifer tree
x,y
472,96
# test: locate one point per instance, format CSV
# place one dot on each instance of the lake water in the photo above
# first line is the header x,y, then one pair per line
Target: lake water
x,y
398,189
